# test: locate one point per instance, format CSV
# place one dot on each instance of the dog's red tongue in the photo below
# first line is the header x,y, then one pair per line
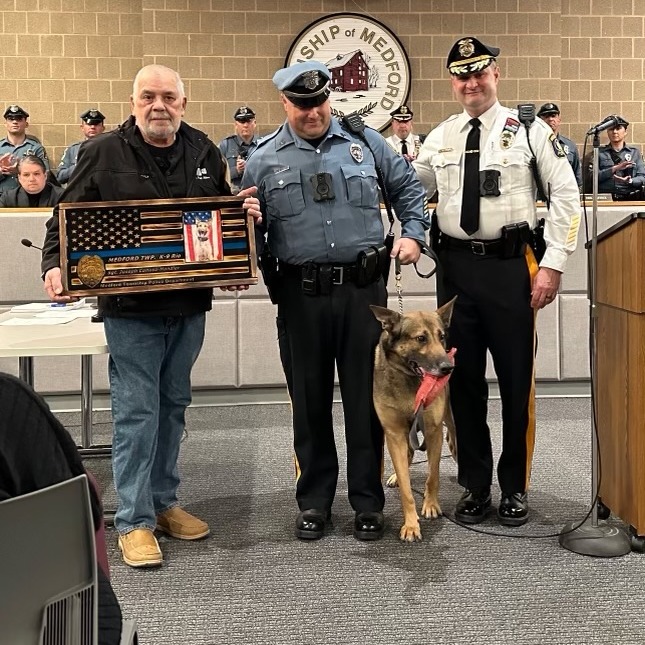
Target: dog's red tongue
x,y
431,386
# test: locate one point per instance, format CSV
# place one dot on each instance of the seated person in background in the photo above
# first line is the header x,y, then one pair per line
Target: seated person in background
x,y
620,167
36,452
15,145
550,114
34,190
236,147
404,142
92,123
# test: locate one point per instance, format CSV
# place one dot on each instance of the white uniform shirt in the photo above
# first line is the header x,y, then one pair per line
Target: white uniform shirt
x,y
503,147
412,140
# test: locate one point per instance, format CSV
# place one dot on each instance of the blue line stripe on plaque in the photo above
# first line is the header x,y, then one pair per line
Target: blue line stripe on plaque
x,y
114,253
234,245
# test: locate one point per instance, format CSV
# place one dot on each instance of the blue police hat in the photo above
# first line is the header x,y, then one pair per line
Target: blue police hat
x,y
304,84
15,111
548,109
469,55
244,113
619,120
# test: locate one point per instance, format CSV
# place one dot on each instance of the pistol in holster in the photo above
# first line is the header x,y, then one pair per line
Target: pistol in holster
x,y
435,233
537,241
270,269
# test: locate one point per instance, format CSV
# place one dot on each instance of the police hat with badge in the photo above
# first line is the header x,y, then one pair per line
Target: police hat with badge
x,y
243,114
402,113
548,109
92,117
306,84
15,112
469,55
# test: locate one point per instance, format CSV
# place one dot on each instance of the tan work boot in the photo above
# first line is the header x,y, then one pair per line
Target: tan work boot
x,y
140,548
177,523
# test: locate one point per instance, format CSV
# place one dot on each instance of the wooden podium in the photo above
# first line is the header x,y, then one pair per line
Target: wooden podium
x,y
620,360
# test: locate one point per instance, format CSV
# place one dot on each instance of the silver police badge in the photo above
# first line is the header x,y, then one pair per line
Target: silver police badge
x,y
628,157
356,151
311,79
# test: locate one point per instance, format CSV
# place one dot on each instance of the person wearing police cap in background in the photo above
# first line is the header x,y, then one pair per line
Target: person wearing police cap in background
x,y
15,145
318,193
620,167
236,147
92,123
479,162
550,114
404,141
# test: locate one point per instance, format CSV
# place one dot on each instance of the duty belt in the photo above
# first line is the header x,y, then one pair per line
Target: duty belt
x,y
476,247
320,278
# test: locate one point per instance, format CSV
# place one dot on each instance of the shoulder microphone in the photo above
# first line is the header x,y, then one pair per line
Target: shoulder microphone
x,y
29,244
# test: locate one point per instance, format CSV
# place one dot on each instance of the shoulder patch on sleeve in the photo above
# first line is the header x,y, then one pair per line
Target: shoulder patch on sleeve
x,y
557,147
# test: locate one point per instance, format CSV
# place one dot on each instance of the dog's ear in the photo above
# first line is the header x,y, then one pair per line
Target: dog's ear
x,y
386,317
445,312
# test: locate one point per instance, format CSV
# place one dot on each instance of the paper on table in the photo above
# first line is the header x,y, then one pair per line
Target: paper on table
x,y
30,307
50,320
66,313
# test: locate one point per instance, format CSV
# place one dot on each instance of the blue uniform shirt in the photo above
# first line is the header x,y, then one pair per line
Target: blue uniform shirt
x,y
573,156
300,229
607,158
230,147
68,162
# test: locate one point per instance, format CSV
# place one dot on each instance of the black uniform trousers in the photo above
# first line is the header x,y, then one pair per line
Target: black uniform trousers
x,y
315,333
492,312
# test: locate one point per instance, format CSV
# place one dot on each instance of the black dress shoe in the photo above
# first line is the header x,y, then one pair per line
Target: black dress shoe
x,y
369,525
310,523
473,507
513,509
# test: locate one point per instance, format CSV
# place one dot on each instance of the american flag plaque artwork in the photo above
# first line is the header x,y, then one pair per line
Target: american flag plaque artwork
x,y
137,246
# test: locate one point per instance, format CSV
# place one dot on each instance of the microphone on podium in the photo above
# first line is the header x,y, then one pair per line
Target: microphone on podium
x,y
29,244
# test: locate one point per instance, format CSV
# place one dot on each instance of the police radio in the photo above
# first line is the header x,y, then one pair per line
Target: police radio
x,y
526,115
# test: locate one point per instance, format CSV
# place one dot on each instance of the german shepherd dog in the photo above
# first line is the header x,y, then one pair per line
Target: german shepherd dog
x,y
412,346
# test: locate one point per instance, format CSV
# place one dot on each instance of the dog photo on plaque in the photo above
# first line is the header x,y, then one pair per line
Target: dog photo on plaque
x,y
138,246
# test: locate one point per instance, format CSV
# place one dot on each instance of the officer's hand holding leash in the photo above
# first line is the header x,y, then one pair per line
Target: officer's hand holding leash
x,y
545,287
252,206
407,250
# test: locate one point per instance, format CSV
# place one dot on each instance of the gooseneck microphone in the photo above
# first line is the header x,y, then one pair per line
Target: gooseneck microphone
x,y
29,244
609,122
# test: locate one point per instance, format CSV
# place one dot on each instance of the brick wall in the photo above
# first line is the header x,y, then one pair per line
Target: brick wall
x,y
67,55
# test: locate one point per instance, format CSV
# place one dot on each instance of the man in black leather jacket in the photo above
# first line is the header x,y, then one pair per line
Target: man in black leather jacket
x,y
153,338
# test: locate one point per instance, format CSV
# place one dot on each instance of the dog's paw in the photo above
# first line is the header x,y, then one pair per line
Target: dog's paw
x,y
410,533
392,481
431,509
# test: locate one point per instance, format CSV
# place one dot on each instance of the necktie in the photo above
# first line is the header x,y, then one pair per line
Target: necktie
x,y
404,147
469,221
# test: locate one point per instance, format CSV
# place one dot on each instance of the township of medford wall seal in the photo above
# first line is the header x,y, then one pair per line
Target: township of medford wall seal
x,y
91,270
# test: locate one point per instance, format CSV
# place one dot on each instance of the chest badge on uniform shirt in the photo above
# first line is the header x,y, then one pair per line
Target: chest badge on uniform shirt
x,y
509,131
356,151
628,157
565,147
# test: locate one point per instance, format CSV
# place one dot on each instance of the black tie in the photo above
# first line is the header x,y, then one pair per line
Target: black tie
x,y
404,147
469,221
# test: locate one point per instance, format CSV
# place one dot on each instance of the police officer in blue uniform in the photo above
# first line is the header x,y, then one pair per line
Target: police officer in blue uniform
x,y
550,114
318,191
92,123
236,148
621,171
15,145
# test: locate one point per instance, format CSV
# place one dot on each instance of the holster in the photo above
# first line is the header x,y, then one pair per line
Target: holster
x,y
537,241
370,264
270,270
514,239
435,233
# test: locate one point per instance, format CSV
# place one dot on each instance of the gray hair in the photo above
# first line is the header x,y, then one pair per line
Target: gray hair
x,y
33,159
157,70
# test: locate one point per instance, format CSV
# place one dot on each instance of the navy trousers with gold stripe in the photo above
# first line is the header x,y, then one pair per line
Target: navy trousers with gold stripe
x,y
492,312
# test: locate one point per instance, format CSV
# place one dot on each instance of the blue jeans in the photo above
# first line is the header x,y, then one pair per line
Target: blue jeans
x,y
150,364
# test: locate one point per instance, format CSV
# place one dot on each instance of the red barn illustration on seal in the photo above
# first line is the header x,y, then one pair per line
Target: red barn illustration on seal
x,y
349,72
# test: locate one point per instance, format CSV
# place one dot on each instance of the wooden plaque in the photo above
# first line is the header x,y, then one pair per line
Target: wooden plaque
x,y
138,246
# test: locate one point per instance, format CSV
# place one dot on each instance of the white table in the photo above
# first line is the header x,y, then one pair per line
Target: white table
x,y
79,337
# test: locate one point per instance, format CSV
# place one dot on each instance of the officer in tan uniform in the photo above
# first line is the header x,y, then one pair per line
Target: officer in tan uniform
x,y
493,258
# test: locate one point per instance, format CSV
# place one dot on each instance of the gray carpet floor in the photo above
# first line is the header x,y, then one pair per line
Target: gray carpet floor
x,y
251,582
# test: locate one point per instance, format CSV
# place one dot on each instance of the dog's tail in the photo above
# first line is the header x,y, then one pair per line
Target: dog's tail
x,y
451,437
